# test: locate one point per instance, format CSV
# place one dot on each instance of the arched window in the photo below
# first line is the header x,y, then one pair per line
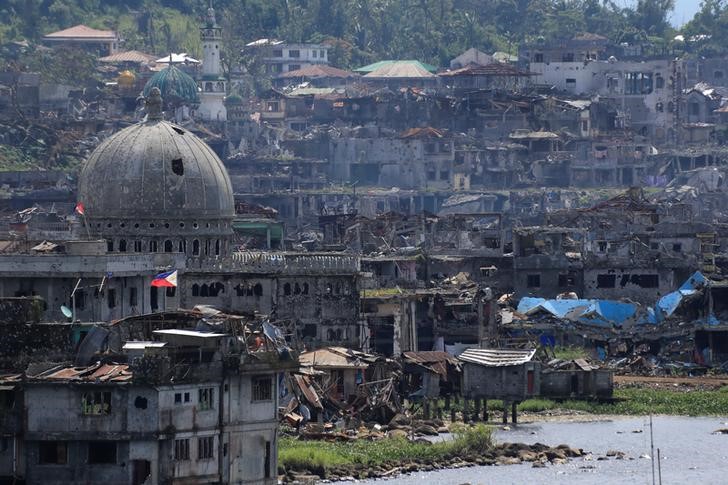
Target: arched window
x,y
305,288
339,334
110,245
171,291
248,290
297,289
122,245
217,247
168,246
287,289
195,247
330,336
181,248
207,247
195,290
258,289
204,290
152,246
137,246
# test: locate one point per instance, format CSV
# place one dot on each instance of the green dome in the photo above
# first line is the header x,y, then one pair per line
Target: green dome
x,y
173,83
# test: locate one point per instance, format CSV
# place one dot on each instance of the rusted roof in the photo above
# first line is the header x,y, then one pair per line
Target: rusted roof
x,y
128,56
532,135
497,357
82,32
318,71
94,373
334,357
492,69
434,360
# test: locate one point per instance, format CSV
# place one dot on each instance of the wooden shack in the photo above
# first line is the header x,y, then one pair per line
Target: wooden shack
x,y
507,374
510,375
576,379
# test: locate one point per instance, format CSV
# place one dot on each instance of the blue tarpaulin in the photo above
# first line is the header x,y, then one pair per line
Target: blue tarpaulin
x,y
608,312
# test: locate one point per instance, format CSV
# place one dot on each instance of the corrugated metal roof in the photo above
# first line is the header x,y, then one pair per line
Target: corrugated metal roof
x,y
334,357
94,373
189,333
492,69
434,360
497,357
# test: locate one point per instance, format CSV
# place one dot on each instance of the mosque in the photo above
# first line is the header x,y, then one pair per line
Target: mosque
x,y
155,198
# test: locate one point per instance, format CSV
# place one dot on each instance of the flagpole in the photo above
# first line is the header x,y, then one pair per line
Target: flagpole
x,y
85,223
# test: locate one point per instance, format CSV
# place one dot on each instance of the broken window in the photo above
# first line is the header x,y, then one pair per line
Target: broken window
x,y
111,297
262,388
533,281
141,402
677,247
171,291
206,398
195,290
177,167
101,452
110,246
206,448
602,246
638,83
52,452
96,403
152,246
305,288
287,289
168,246
694,109
80,297
566,280
641,280
606,281
258,289
182,450
538,57
309,330
137,246
195,247
122,245
659,82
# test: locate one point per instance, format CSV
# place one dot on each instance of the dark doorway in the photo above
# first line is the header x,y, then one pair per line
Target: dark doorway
x,y
382,335
140,471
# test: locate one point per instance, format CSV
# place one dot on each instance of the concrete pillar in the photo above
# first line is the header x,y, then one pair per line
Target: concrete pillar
x,y
426,408
476,411
485,410
505,412
514,412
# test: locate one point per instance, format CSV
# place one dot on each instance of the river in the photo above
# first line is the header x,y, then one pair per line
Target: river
x,y
689,452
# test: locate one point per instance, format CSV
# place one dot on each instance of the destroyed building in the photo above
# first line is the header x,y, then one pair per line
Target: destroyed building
x,y
156,399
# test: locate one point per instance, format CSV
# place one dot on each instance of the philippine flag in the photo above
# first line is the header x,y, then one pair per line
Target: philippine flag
x,y
168,279
80,209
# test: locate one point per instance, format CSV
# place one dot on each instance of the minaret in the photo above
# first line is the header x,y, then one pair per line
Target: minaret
x,y
212,84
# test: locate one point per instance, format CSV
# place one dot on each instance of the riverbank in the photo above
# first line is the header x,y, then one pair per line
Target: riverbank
x,y
309,461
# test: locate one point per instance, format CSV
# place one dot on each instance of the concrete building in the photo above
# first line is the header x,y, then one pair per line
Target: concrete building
x,y
100,42
186,406
280,57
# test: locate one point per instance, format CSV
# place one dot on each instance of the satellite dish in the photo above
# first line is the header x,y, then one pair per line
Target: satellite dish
x,y
66,311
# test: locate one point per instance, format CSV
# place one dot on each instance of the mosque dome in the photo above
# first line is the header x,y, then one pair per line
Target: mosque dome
x,y
156,180
173,83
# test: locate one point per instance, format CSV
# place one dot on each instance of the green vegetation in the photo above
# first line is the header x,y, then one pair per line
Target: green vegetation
x,y
432,31
323,457
629,401
569,353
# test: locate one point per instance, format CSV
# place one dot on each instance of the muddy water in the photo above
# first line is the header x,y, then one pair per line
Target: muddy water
x,y
689,452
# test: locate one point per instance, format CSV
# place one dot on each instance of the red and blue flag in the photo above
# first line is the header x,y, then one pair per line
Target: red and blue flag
x,y
168,279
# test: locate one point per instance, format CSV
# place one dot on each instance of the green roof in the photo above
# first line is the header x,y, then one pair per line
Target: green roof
x,y
377,65
173,82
